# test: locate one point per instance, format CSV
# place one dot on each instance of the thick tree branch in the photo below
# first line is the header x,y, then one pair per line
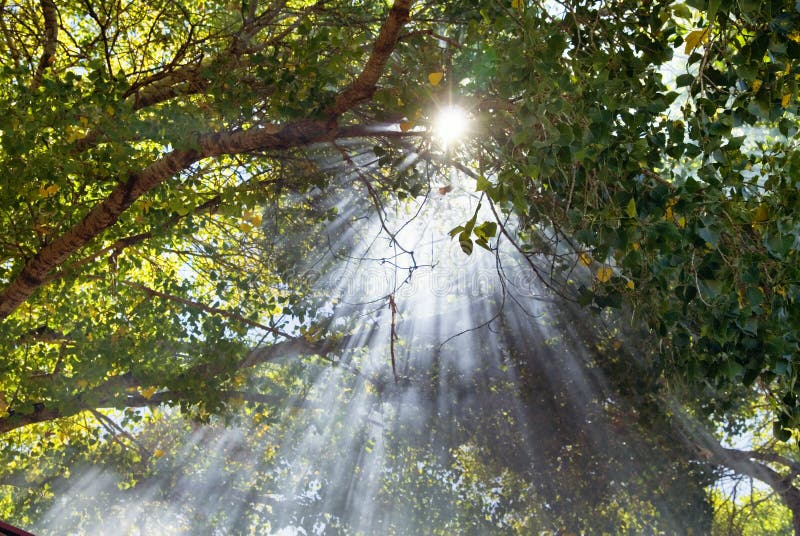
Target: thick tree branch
x,y
748,463
364,86
768,457
35,272
50,41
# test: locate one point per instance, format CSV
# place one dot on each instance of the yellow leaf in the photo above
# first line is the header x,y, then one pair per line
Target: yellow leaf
x,y
245,227
82,384
73,133
149,392
84,121
405,126
110,110
635,246
604,274
682,222
256,219
585,259
48,191
794,35
756,85
786,100
762,214
516,4
435,78
694,39
158,453
631,285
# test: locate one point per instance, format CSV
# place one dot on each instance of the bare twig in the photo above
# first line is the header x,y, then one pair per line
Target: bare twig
x,y
393,336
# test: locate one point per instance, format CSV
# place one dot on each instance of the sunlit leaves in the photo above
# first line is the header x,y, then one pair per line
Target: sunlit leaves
x,y
48,191
435,77
681,204
694,38
604,274
630,208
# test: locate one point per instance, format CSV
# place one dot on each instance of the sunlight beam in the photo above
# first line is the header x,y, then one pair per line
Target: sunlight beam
x,y
450,125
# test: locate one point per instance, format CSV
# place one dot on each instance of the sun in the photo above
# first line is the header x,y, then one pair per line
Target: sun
x,y
450,125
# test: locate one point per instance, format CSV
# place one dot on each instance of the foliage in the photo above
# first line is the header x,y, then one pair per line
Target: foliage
x,y
167,165
674,196
755,513
554,463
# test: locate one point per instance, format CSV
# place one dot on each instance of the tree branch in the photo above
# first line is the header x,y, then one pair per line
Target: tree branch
x,y
769,457
364,86
206,308
263,137
35,272
50,41
112,393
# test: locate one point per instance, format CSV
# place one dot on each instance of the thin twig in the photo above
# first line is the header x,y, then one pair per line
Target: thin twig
x,y
393,337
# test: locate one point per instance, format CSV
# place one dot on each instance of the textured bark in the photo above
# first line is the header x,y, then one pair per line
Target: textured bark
x,y
364,86
36,271
754,465
50,40
102,216
40,413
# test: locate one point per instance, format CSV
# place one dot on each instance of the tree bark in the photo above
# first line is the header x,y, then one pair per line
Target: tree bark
x,y
112,393
36,270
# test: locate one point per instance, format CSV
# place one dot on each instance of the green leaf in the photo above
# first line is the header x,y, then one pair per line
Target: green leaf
x,y
456,230
780,433
709,235
482,184
466,243
684,80
486,230
630,209
682,11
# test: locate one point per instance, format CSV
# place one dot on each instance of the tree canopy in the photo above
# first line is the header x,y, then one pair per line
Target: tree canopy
x,y
171,167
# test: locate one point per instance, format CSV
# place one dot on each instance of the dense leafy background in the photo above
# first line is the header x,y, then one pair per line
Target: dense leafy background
x,y
169,168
